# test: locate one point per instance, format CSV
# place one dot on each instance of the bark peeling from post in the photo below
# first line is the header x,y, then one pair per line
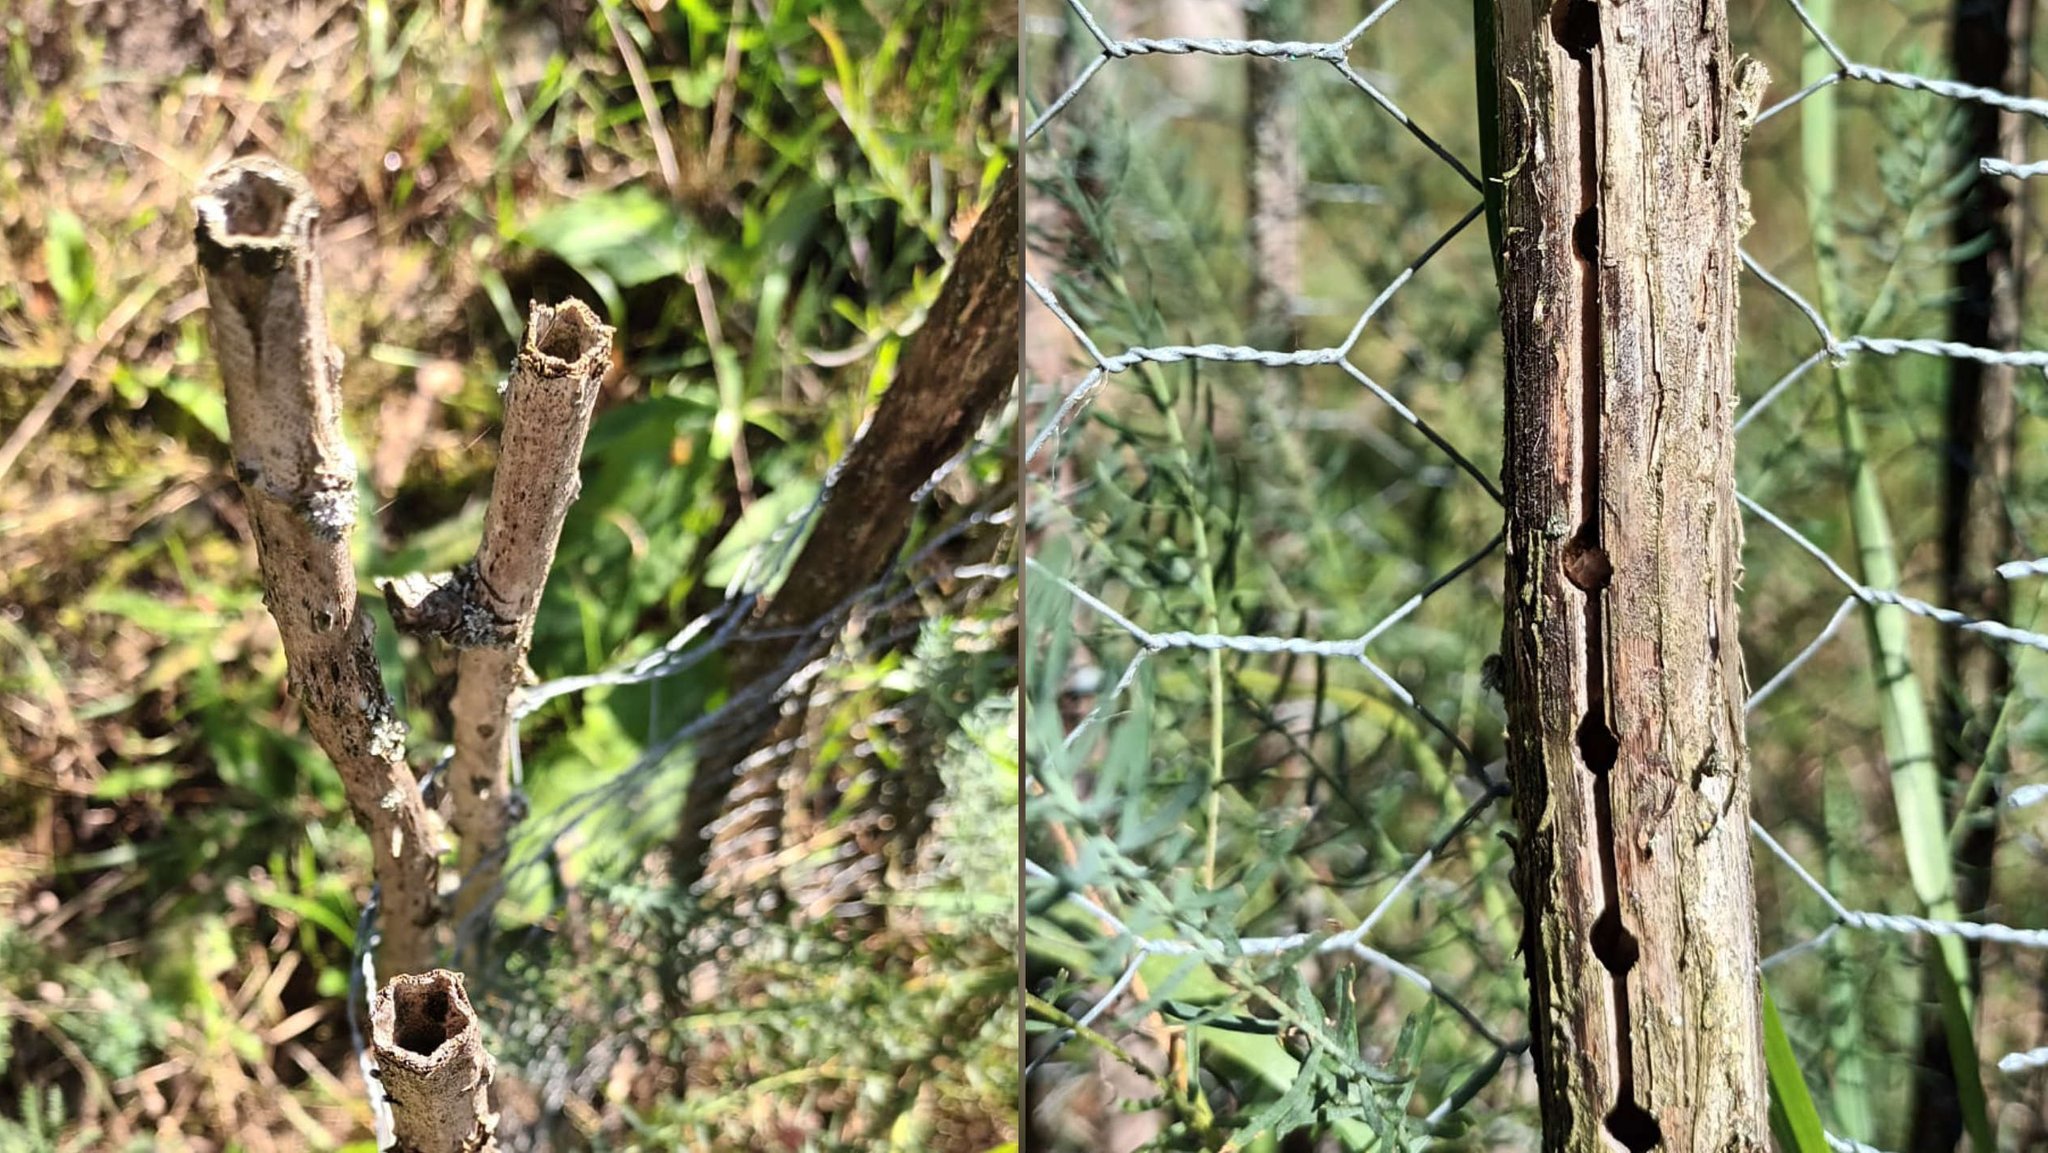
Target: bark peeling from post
x,y
1621,129
257,233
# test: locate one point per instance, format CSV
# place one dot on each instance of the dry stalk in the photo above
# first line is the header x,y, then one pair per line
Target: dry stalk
x,y
256,237
431,1060
486,608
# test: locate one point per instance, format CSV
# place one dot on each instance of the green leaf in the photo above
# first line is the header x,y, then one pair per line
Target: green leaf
x,y
132,779
630,236
1794,1120
756,526
69,260
154,614
203,402
309,909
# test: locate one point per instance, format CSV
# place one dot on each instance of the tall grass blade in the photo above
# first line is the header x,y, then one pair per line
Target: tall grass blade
x,y
1908,735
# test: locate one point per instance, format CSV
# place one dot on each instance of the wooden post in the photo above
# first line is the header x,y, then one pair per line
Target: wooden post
x,y
1619,144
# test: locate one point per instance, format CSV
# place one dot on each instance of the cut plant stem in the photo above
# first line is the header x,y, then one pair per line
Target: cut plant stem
x,y
431,1061
257,234
548,401
486,609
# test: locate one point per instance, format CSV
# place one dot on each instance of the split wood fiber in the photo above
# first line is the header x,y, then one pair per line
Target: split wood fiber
x,y
1620,136
257,234
431,1061
486,609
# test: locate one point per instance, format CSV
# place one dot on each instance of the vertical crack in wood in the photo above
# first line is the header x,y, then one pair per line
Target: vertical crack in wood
x,y
1618,262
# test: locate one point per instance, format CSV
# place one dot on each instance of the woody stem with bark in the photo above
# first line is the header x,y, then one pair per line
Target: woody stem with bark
x,y
431,1060
954,371
258,224
487,608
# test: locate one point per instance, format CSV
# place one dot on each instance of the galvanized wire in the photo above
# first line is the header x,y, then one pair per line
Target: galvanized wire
x,y
1155,644
651,780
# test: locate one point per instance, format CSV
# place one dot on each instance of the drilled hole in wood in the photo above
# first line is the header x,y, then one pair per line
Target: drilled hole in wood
x,y
1586,235
1634,1127
1613,945
1575,25
1597,746
1585,563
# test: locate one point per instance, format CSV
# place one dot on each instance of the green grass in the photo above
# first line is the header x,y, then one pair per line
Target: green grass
x,y
182,856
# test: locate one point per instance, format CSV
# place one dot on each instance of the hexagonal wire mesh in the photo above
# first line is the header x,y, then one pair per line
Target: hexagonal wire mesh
x,y
593,961
1263,773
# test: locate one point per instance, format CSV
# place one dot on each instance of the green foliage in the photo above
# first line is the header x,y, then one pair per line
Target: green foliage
x,y
827,155
1238,500
894,1030
1794,1120
1921,173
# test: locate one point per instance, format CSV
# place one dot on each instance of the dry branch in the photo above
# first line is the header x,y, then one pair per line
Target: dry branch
x,y
954,372
486,609
256,237
431,1060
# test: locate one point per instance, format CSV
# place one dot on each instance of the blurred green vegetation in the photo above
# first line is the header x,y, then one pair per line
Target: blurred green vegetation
x,y
1290,502
763,197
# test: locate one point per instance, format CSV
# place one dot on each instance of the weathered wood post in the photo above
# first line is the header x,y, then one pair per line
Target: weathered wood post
x,y
1620,132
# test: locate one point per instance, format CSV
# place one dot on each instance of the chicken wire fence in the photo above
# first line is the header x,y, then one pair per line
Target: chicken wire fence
x,y
604,949
1266,880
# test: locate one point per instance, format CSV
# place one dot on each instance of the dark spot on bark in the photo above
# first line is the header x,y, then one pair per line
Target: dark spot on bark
x,y
1586,235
